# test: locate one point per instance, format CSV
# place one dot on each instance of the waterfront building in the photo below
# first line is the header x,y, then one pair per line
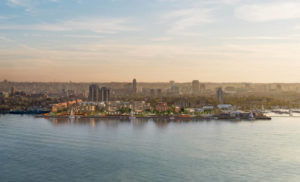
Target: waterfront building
x,y
85,107
225,106
195,86
113,106
190,110
220,96
93,93
177,109
208,108
126,105
58,107
162,106
138,106
198,110
63,106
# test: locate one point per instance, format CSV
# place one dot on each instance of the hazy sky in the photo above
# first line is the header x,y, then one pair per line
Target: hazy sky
x,y
151,40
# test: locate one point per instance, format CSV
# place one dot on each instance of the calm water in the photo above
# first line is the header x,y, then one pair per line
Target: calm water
x,y
36,149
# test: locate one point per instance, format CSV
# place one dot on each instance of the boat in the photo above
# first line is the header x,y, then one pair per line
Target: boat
x,y
184,116
291,112
72,116
131,117
251,116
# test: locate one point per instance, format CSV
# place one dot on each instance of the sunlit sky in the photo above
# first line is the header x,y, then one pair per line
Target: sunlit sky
x,y
151,40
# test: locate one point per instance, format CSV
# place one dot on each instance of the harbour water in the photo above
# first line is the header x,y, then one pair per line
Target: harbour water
x,y
37,149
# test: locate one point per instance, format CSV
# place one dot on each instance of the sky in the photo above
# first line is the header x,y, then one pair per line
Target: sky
x,y
150,40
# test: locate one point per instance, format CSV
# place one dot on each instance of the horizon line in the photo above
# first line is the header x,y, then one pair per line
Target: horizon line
x,y
93,82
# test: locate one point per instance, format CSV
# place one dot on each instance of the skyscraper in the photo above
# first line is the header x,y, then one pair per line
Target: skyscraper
x,y
93,93
220,96
13,91
96,94
134,86
152,92
196,86
202,87
104,93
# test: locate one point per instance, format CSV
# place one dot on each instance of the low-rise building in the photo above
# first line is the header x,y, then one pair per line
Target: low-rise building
x,y
162,106
225,106
208,108
65,105
4,94
177,109
59,107
84,107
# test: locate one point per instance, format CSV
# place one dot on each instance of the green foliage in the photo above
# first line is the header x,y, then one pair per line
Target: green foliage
x,y
125,110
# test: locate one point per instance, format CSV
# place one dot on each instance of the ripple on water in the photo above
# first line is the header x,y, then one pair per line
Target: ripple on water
x,y
36,149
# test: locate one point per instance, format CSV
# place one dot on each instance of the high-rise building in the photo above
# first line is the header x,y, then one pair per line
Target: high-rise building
x,y
174,90
93,93
172,83
202,87
220,96
195,86
152,92
134,86
96,94
104,94
158,92
13,91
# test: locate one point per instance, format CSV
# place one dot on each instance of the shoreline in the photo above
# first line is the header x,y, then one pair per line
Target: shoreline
x,y
171,118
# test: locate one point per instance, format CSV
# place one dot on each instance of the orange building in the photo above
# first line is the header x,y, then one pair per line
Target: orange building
x,y
162,106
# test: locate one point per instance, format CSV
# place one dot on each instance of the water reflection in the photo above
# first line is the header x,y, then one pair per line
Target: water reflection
x,y
161,123
93,122
170,151
138,123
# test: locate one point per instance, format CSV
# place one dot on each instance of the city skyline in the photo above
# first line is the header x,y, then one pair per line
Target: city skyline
x,y
153,41
149,90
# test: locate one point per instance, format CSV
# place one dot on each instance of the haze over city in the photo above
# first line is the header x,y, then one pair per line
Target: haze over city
x,y
155,40
149,90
